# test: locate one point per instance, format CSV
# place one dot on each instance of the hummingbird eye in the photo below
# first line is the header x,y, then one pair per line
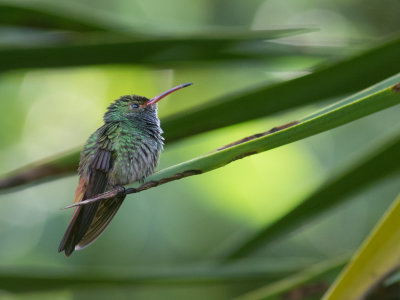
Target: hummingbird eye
x,y
134,106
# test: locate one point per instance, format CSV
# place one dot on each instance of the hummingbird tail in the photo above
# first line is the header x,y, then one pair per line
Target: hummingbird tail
x,y
88,221
81,233
67,243
105,213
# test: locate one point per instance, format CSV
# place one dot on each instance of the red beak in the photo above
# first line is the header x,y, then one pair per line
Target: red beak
x,y
159,97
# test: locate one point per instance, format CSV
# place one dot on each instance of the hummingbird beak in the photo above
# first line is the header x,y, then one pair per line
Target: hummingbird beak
x,y
159,97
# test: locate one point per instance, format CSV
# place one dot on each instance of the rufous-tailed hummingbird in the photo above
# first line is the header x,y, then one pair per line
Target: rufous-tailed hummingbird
x,y
124,150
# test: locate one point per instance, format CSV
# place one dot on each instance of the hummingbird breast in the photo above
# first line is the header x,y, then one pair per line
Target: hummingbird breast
x,y
136,154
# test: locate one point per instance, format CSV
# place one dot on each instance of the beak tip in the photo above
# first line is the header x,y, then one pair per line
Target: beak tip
x,y
159,97
187,84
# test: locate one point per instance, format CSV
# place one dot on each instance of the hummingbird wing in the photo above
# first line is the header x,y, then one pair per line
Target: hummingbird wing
x,y
89,221
104,214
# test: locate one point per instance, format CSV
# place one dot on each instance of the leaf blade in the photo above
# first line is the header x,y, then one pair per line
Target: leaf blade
x,y
376,257
148,50
275,289
47,16
374,166
175,128
25,280
347,76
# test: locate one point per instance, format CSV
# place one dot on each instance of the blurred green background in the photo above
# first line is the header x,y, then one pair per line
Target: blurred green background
x,y
186,226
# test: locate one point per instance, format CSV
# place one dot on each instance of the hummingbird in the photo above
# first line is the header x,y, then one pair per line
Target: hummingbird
x,y
125,149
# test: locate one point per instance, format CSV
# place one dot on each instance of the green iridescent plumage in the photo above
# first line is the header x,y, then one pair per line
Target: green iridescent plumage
x,y
135,150
124,150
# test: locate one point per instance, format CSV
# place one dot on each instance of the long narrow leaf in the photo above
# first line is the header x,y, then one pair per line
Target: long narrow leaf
x,y
377,257
376,98
344,77
151,51
315,273
48,16
347,76
26,280
41,171
22,279
72,16
374,166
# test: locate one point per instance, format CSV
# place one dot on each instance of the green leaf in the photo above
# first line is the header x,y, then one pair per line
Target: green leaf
x,y
344,77
46,15
42,170
375,165
72,16
377,257
347,76
147,50
22,280
315,273
376,98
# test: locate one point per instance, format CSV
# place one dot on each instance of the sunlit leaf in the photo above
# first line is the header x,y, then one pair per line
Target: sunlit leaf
x,y
376,98
376,258
338,79
315,274
347,76
374,166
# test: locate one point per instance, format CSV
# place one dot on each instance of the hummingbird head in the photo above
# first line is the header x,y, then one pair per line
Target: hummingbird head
x,y
135,108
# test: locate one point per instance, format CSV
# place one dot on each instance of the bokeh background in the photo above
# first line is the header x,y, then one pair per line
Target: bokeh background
x,y
186,226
